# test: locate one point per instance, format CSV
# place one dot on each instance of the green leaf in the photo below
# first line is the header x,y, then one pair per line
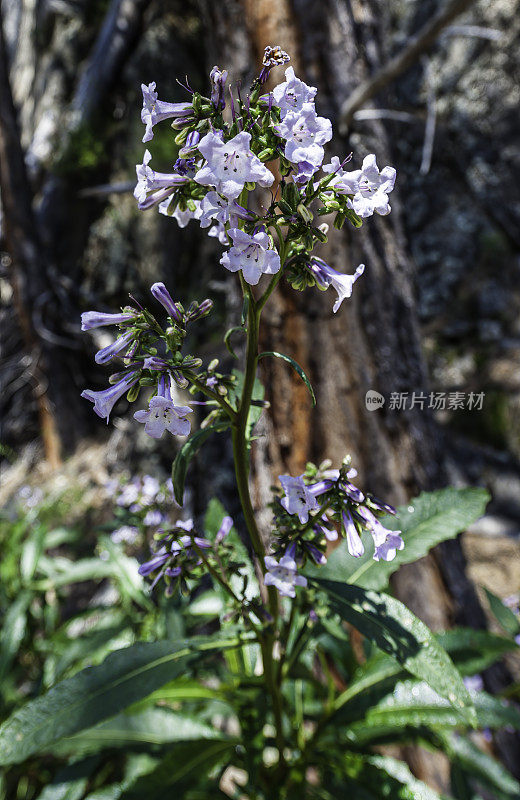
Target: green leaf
x,y
185,764
427,520
474,651
13,631
97,693
504,616
394,629
415,703
71,782
228,335
485,769
257,397
401,772
150,727
186,453
294,364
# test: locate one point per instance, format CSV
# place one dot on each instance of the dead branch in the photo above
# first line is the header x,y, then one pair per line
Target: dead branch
x,y
418,45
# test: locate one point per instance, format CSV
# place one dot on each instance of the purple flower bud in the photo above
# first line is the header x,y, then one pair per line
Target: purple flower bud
x,y
354,543
161,293
320,488
154,363
108,353
317,556
353,493
197,311
380,506
218,80
157,561
179,379
105,400
225,527
97,319
190,146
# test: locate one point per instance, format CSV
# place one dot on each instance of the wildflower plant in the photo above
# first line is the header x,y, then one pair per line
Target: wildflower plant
x,y
306,705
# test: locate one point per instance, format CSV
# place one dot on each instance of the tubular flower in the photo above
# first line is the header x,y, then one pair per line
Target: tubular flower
x,y
252,254
230,165
155,110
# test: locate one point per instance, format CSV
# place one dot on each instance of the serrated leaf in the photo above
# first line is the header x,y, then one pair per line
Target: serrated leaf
x,y
294,364
186,453
504,616
436,517
97,693
394,629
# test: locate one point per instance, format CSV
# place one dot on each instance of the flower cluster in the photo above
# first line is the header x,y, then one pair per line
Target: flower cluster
x,y
180,555
219,163
327,506
151,357
142,503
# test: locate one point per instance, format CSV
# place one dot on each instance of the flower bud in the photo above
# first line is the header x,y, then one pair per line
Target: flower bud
x,y
161,293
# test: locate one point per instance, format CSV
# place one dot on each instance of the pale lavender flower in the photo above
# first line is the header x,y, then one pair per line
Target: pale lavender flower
x,y
127,534
215,208
218,78
327,276
354,543
153,187
182,217
161,293
97,319
155,110
283,575
473,683
292,93
163,415
343,182
298,498
305,134
107,353
386,542
105,400
252,254
218,231
153,517
229,165
374,188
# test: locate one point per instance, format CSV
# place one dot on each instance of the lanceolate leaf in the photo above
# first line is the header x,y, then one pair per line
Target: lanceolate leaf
x,y
504,616
428,519
97,693
150,727
185,762
394,629
474,651
294,364
480,766
415,704
186,453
